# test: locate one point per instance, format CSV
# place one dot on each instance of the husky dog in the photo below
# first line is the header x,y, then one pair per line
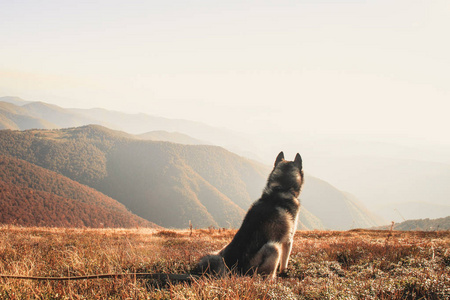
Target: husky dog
x,y
264,241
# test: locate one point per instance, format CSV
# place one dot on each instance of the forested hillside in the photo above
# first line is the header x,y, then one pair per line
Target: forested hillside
x,y
148,177
171,184
31,196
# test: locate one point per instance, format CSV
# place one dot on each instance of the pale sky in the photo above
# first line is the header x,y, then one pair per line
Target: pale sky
x,y
306,65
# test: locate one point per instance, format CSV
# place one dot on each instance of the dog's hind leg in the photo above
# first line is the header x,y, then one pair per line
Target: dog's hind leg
x,y
212,264
267,259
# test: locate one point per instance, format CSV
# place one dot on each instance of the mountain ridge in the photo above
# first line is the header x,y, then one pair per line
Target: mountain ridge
x,y
50,116
170,184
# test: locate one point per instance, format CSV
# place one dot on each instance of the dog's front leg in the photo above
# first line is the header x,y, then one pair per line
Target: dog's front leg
x,y
286,249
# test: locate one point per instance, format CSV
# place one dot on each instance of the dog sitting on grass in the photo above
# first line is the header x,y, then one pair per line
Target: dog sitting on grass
x,y
264,241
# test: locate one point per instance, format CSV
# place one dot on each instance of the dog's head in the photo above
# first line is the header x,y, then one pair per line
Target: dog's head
x,y
287,175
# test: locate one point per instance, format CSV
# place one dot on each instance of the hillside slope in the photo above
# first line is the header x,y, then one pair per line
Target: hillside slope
x,y
151,179
171,184
143,123
377,173
17,114
41,115
14,100
173,137
148,177
32,196
18,118
337,210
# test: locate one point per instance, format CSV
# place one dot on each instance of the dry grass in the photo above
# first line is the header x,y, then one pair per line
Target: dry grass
x,y
324,265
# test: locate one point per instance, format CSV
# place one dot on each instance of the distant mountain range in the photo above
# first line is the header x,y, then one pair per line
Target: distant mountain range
x,y
383,176
391,181
16,113
397,189
170,184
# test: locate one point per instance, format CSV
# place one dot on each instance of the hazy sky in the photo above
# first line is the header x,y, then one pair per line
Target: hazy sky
x,y
315,66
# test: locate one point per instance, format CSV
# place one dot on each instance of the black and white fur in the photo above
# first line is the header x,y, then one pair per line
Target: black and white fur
x,y
264,241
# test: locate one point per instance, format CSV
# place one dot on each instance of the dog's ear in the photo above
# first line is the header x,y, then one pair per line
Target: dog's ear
x,y
298,162
280,158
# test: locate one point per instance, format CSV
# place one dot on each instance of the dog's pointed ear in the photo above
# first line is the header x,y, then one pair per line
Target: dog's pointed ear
x,y
280,158
298,161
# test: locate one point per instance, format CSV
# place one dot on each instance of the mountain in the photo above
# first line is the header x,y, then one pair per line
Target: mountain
x,y
139,123
148,177
378,174
173,137
308,221
34,196
49,116
171,184
335,209
14,100
29,115
17,118
422,225
63,118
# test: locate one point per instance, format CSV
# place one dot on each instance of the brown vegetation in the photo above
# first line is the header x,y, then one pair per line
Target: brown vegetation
x,y
355,264
33,196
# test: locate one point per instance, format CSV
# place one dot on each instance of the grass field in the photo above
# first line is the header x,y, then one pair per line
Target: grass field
x,y
357,264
